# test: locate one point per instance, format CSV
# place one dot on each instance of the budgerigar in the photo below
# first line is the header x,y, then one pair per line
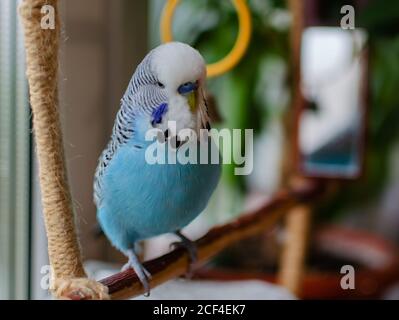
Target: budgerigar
x,y
136,199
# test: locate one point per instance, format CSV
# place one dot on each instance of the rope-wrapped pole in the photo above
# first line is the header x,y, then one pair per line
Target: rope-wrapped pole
x,y
68,276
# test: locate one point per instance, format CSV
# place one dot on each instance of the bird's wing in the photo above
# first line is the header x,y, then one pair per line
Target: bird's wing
x,y
138,96
122,131
145,100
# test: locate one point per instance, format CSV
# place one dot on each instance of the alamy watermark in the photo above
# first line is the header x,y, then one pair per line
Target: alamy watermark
x,y
348,20
45,270
212,146
348,280
48,17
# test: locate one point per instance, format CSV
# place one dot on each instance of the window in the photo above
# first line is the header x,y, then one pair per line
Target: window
x,y
14,158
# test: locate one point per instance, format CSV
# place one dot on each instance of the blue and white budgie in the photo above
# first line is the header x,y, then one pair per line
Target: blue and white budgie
x,y
136,200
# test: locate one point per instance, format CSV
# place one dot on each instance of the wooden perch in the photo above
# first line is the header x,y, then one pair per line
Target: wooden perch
x,y
125,284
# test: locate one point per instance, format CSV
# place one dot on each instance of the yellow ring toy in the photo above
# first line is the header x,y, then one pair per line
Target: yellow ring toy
x,y
240,46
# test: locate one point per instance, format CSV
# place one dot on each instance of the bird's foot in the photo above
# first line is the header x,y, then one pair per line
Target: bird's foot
x,y
142,273
191,248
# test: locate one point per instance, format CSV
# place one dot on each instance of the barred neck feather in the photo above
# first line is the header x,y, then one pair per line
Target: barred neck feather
x,y
133,100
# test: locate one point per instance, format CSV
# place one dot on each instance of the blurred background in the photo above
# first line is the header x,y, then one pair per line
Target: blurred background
x,y
322,100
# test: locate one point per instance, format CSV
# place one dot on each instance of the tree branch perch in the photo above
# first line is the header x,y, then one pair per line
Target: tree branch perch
x,y
125,284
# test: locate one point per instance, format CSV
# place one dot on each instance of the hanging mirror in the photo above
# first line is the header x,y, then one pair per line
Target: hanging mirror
x,y
332,115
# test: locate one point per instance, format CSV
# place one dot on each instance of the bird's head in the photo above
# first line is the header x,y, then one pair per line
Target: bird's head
x,y
170,82
181,72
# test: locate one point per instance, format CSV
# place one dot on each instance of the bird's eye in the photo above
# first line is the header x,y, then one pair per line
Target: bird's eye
x,y
160,84
187,87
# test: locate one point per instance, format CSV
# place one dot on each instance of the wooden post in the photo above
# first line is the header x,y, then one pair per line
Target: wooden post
x,y
292,262
298,219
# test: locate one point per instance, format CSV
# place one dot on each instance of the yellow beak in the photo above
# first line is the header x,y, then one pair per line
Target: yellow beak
x,y
192,101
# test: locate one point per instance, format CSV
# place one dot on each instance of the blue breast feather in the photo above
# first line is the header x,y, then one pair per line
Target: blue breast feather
x,y
140,200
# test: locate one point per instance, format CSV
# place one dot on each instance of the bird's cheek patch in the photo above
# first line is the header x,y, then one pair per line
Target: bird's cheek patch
x,y
158,113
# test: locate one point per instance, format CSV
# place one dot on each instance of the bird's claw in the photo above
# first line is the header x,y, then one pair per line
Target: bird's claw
x,y
191,249
144,276
142,273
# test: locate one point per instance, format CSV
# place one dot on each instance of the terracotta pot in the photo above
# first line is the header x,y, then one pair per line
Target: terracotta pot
x,y
375,260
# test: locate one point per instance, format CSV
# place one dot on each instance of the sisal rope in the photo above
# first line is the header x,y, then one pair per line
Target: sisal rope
x,y
68,275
